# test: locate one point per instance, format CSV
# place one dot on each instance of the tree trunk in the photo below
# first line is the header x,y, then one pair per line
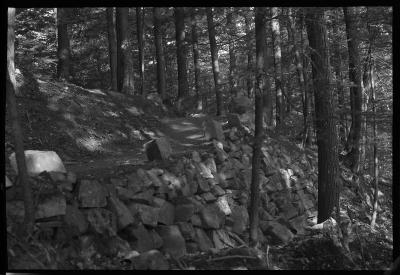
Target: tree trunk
x,y
276,36
353,140
328,184
249,36
112,47
196,65
267,95
369,86
17,130
139,24
258,135
124,56
339,77
231,25
161,81
300,71
63,49
214,58
183,87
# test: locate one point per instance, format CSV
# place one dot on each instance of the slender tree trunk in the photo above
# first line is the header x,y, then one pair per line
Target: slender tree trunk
x,y
369,86
249,36
63,49
267,95
139,24
300,71
161,81
112,47
183,87
232,58
214,58
276,36
307,104
258,135
196,64
339,77
17,130
328,184
353,140
124,56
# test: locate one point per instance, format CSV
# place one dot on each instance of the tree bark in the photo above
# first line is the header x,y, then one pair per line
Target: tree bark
x,y
112,47
139,24
339,77
124,56
267,95
183,86
369,86
258,135
249,36
214,59
276,36
63,49
17,130
231,25
196,64
328,181
353,140
300,72
161,81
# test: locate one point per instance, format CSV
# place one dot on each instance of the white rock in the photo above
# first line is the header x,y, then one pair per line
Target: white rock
x,y
39,161
8,182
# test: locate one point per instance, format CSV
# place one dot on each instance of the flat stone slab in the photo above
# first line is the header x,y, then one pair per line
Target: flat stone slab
x,y
39,161
158,149
51,207
208,197
174,243
148,214
92,194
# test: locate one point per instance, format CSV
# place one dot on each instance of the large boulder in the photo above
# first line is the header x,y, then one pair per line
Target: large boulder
x,y
166,214
124,216
75,220
158,149
212,216
144,239
39,161
203,241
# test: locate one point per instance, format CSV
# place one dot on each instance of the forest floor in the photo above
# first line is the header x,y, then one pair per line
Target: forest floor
x,y
96,132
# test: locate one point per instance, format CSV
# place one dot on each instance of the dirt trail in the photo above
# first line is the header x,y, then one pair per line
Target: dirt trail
x,y
184,134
